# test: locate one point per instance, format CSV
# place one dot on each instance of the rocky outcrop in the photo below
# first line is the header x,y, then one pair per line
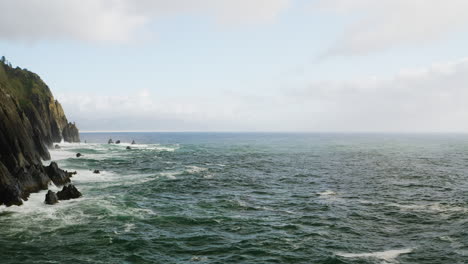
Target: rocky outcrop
x,y
31,120
57,176
68,192
51,198
70,133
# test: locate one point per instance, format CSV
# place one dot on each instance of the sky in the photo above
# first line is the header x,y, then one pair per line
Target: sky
x,y
247,65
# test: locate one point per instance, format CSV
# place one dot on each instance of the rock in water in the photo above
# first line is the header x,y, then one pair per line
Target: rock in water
x,y
128,147
59,177
78,155
117,142
57,147
133,142
110,141
96,172
51,198
68,192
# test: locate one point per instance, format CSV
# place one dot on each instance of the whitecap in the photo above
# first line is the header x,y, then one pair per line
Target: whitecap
x,y
195,169
129,227
170,175
327,193
388,256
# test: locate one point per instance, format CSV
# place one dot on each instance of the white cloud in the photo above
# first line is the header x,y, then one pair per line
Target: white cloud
x,y
431,99
415,100
117,20
383,24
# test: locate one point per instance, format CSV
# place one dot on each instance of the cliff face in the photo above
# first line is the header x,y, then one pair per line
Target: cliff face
x,y
31,120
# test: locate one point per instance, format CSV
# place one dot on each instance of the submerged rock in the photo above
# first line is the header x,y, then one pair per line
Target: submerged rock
x,y
110,141
57,147
68,192
117,142
51,197
96,172
78,155
128,147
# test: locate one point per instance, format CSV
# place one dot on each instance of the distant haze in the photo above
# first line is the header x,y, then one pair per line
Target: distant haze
x,y
247,65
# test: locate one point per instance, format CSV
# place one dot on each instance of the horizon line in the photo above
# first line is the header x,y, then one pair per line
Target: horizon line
x,y
311,132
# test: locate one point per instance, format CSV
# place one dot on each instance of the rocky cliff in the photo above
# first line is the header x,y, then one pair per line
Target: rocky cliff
x,y
31,120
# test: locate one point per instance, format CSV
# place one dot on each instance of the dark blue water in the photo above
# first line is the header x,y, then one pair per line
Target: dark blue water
x,y
251,198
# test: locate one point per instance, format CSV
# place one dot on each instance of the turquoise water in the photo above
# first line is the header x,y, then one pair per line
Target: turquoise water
x,y
251,198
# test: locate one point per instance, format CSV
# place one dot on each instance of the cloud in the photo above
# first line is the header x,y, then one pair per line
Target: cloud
x,y
415,100
118,20
383,24
430,99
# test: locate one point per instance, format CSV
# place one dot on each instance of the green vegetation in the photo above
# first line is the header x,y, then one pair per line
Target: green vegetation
x,y
22,84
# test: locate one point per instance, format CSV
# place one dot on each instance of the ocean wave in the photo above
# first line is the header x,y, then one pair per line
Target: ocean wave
x,y
432,207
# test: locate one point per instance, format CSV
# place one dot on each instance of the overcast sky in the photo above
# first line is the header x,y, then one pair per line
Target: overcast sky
x,y
247,65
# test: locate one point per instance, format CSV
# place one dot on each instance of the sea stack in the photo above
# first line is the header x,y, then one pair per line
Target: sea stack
x,y
31,120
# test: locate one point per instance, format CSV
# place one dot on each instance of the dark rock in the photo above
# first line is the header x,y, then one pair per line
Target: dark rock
x,y
117,142
110,141
59,177
57,147
68,192
133,142
51,197
78,155
96,172
128,147
10,191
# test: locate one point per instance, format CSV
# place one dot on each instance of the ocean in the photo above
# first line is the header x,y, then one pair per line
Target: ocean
x,y
251,198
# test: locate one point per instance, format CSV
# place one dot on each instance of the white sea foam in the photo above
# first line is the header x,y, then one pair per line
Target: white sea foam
x,y
86,176
157,147
48,217
388,256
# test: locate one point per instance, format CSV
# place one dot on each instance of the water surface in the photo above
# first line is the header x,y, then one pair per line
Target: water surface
x,y
251,198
